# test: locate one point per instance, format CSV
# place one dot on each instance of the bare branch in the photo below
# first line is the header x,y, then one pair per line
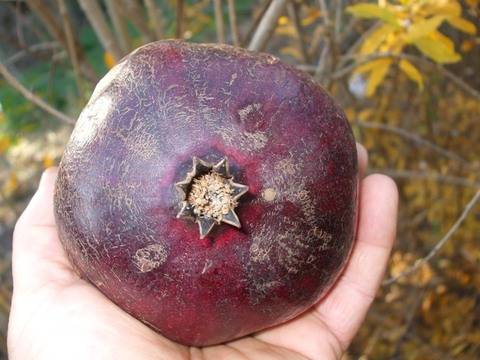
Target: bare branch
x,y
97,19
267,25
423,175
119,25
32,97
324,12
48,19
72,51
133,12
411,136
256,20
439,244
338,17
324,59
346,70
217,4
232,15
179,15
292,9
447,73
155,17
51,45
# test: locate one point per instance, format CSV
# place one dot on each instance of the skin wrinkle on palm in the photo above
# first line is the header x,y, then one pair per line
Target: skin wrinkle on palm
x,y
51,302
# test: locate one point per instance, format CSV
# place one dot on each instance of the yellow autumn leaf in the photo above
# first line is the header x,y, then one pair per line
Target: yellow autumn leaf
x,y
10,185
375,39
412,72
5,143
369,66
48,161
313,15
377,75
287,30
283,20
467,45
462,25
291,51
452,8
108,60
445,40
372,11
424,28
436,50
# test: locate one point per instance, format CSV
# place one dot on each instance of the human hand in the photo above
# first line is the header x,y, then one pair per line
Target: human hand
x,y
57,315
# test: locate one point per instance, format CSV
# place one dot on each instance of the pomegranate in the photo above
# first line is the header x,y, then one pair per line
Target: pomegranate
x,y
208,191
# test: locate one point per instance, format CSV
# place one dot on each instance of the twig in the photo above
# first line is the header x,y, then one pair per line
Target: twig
x,y
155,17
409,321
96,18
363,60
48,19
324,12
458,81
67,28
232,15
32,97
292,9
179,23
256,20
217,4
51,45
338,17
439,244
119,26
423,175
323,60
267,25
411,136
133,12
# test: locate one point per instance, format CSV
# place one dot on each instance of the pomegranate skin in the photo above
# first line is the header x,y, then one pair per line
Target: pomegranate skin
x,y
116,203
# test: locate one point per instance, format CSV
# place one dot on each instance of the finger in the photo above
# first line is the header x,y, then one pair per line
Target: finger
x,y
344,309
362,156
40,209
38,256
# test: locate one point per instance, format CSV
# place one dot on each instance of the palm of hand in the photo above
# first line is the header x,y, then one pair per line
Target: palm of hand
x,y
55,314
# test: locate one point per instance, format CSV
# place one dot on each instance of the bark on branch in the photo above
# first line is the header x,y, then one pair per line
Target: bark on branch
x,y
32,97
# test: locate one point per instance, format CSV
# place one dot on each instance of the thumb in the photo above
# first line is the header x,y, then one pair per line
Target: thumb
x,y
37,256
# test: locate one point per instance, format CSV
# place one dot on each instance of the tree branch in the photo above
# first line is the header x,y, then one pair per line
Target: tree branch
x,y
292,9
217,4
423,175
411,136
132,11
34,98
344,71
439,244
267,25
256,20
67,28
179,23
51,45
119,26
99,24
232,15
155,17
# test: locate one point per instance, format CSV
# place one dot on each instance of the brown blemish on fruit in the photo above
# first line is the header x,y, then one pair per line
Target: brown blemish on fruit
x,y
150,257
247,110
250,141
269,194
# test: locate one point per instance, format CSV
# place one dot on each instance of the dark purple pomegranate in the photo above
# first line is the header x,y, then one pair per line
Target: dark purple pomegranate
x,y
208,191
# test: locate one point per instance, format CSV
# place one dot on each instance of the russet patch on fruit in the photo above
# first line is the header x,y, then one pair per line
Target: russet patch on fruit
x,y
209,191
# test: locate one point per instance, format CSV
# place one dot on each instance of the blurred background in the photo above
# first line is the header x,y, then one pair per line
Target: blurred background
x,y
406,72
